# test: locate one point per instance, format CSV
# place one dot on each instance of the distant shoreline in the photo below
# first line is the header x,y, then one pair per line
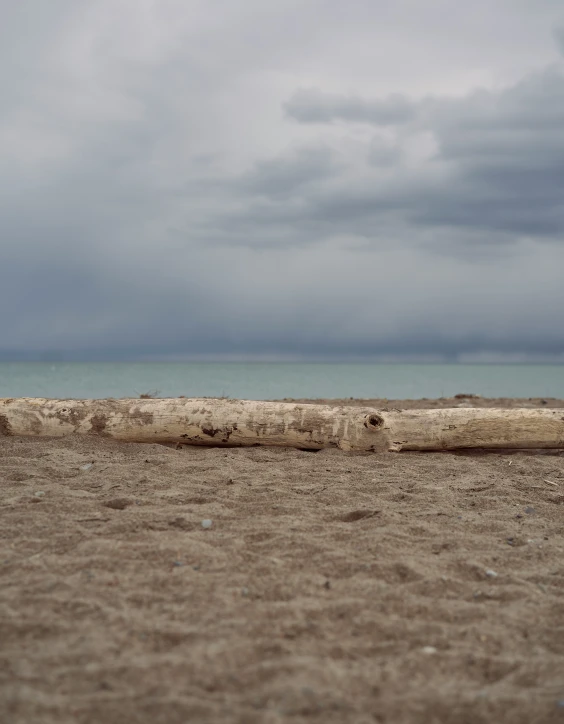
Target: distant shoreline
x,y
461,400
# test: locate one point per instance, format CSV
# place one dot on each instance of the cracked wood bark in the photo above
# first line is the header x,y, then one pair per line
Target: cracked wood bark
x,y
215,422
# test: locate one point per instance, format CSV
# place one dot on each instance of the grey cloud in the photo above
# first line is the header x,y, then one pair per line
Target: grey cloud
x,y
498,167
559,38
383,155
506,153
291,172
494,124
156,200
314,106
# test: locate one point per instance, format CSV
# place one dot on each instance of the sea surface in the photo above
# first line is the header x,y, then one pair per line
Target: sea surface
x,y
273,380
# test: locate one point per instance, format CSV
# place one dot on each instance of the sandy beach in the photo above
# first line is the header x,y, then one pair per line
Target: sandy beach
x,y
322,587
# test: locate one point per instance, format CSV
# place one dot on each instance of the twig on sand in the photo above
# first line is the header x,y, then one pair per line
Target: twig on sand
x,y
148,395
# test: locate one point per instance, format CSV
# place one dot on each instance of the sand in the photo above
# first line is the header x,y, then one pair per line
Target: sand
x,y
330,587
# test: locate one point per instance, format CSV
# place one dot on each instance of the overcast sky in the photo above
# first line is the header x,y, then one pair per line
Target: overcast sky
x,y
282,179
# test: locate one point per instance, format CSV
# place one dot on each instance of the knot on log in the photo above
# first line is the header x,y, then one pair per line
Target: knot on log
x,y
373,421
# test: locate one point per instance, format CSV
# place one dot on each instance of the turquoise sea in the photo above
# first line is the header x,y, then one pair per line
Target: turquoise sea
x,y
274,380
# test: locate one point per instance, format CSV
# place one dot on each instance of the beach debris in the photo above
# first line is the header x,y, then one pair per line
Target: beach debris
x,y
245,591
551,482
148,395
490,573
87,466
39,494
207,523
429,650
237,423
529,510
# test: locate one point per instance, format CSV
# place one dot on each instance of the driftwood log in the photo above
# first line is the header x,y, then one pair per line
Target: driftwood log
x,y
234,423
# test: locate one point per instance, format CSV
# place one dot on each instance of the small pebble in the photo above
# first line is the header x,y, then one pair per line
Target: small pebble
x,y
207,523
490,573
245,591
177,563
429,650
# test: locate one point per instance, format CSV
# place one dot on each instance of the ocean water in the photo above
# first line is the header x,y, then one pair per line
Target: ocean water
x,y
268,381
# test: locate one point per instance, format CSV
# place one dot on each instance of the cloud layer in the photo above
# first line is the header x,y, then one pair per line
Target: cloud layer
x,y
294,181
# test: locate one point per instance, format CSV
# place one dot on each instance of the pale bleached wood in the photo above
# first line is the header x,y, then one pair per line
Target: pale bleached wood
x,y
457,428
218,422
213,422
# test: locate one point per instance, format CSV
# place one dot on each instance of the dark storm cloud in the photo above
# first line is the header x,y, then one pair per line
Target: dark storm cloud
x,y
497,166
167,189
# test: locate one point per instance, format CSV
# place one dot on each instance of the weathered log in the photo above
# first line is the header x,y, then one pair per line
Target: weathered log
x,y
459,428
217,422
212,422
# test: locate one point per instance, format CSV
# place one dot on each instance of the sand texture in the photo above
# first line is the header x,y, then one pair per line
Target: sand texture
x,y
331,587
